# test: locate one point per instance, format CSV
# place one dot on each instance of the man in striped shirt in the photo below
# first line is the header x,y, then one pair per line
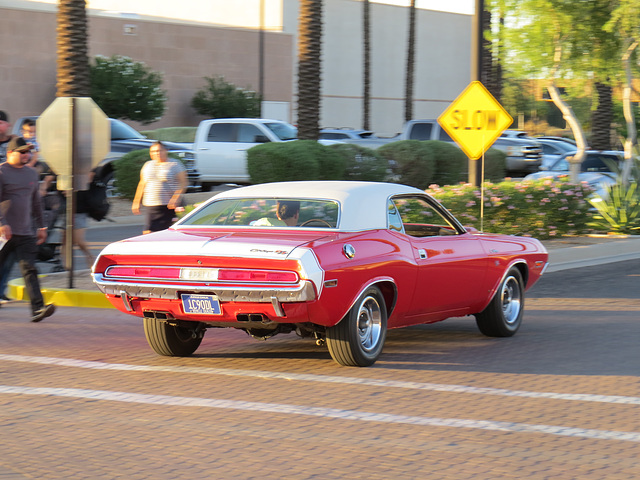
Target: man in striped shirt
x,y
162,183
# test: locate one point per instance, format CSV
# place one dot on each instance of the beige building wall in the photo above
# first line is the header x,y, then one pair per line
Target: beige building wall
x,y
184,53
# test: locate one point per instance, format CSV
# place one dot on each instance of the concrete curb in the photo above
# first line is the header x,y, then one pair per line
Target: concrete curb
x,y
61,297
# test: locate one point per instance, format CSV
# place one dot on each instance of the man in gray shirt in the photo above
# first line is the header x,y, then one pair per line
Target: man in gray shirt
x,y
20,212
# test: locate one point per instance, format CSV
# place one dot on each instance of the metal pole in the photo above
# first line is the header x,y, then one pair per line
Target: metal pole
x,y
70,197
261,52
475,168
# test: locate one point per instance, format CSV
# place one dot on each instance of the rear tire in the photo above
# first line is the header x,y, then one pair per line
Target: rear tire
x,y
503,315
171,340
358,339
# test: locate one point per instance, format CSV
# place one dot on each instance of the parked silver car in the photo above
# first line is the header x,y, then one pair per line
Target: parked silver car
x,y
364,138
599,169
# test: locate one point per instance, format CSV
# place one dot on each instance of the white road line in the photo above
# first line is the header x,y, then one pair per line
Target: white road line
x,y
370,382
354,415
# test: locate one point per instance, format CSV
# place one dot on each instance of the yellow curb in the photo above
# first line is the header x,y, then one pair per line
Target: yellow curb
x,y
61,297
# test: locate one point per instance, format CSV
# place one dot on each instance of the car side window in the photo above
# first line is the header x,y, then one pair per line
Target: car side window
x,y
444,136
393,217
221,132
422,219
420,131
248,133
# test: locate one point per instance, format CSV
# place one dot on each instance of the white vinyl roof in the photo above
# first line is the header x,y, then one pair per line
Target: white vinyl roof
x,y
363,205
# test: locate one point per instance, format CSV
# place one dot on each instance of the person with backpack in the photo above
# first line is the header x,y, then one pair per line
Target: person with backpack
x,y
162,183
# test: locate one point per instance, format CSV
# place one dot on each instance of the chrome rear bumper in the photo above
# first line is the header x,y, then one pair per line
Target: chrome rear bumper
x,y
304,292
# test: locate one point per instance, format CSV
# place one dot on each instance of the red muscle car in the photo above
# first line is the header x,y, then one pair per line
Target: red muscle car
x,y
340,262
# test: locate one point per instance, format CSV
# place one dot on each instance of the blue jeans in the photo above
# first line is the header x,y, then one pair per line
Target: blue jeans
x,y
5,272
25,249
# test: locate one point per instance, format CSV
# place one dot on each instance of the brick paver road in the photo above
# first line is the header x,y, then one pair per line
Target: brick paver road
x,y
82,396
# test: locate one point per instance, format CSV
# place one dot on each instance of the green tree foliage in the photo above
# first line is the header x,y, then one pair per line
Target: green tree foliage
x,y
127,89
221,99
295,160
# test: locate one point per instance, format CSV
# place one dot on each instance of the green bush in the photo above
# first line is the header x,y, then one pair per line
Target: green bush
x,y
543,209
411,163
422,163
126,89
172,134
450,162
127,171
221,99
362,164
296,160
495,165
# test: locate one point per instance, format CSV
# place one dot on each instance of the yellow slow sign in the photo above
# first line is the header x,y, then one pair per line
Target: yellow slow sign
x,y
474,120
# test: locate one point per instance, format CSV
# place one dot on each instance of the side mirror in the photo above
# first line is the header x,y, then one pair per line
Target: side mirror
x,y
261,139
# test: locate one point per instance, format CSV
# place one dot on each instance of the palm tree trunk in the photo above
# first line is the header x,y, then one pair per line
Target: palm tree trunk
x,y
366,29
602,118
309,68
408,98
73,61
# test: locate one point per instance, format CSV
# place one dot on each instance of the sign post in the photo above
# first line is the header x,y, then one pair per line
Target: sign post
x,y
475,120
74,136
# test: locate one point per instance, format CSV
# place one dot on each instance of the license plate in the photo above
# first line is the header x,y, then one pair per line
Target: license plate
x,y
201,304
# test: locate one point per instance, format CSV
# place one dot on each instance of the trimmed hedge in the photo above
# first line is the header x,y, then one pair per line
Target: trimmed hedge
x,y
423,163
172,134
295,160
362,164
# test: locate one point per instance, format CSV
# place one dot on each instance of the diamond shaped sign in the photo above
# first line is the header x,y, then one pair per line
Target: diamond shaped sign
x,y
474,120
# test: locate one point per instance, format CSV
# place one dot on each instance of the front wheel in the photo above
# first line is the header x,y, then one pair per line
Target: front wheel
x,y
358,339
503,315
171,340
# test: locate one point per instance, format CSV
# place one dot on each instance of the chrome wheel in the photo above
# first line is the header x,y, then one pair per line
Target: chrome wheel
x,y
357,340
369,323
511,299
503,315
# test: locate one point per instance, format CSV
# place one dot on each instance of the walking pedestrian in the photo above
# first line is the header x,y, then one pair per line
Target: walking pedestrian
x,y
162,183
22,211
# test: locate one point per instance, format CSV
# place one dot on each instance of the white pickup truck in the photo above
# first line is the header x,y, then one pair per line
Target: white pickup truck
x,y
221,146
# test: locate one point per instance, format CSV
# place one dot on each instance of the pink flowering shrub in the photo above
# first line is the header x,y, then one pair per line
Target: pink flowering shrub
x,y
542,209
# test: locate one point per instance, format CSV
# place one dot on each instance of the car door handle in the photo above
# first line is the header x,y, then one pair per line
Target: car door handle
x,y
203,148
422,253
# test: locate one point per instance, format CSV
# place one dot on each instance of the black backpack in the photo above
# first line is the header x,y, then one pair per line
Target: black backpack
x,y
93,202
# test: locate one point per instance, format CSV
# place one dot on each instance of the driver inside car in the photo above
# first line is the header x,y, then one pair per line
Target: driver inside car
x,y
287,211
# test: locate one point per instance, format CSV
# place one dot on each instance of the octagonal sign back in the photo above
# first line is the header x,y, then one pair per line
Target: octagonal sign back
x,y
475,120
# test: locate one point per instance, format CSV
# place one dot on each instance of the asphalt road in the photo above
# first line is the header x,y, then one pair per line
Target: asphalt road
x,y
82,396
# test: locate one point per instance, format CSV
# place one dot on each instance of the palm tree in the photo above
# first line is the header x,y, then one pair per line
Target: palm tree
x,y
309,52
366,28
411,48
602,118
73,62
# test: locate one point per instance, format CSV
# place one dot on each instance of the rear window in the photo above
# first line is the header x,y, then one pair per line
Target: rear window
x,y
263,212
